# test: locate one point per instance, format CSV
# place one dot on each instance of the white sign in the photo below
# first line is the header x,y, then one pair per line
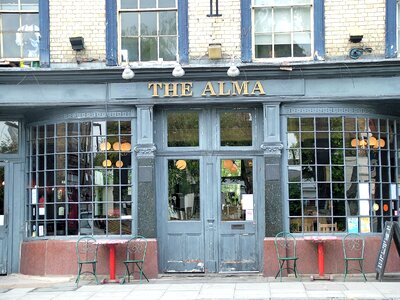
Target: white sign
x,y
247,201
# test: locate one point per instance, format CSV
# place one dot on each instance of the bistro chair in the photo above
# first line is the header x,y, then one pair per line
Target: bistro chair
x,y
135,255
353,250
86,252
285,245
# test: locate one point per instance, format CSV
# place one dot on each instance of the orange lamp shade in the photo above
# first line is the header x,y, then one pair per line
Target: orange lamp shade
x,y
227,164
119,163
354,142
180,164
107,163
125,147
117,146
372,141
385,207
234,168
105,146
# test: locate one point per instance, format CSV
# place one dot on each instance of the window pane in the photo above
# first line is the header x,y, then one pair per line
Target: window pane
x,y
263,46
263,20
236,129
301,19
183,190
147,3
9,4
166,3
29,4
168,48
183,129
282,20
148,49
168,23
131,45
301,44
129,24
9,135
283,47
148,23
129,4
236,189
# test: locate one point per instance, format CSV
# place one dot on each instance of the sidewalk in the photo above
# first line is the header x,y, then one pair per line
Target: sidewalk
x,y
17,286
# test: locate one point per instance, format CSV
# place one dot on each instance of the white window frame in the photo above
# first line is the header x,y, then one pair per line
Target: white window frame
x,y
291,58
20,12
121,57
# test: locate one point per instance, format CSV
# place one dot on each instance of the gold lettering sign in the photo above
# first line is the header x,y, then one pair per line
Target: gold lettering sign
x,y
210,89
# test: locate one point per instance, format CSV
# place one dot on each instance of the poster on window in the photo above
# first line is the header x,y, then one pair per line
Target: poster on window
x,y
34,196
363,190
249,215
393,190
352,225
365,225
247,201
364,207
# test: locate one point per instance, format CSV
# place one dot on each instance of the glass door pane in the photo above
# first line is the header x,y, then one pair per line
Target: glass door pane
x,y
183,189
237,190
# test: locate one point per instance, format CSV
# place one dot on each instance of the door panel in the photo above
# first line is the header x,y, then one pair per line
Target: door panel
x,y
3,221
184,243
238,239
185,252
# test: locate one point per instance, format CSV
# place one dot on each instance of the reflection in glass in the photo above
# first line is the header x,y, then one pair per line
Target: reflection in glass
x,y
90,198
237,190
236,129
183,129
9,135
183,189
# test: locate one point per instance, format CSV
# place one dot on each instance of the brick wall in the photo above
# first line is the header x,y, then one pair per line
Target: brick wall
x,y
341,16
87,19
77,18
204,30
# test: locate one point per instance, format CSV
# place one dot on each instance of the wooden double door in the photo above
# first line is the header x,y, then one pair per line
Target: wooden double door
x,y
208,214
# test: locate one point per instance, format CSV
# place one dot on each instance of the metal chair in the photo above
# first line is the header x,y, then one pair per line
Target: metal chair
x,y
135,255
353,250
285,245
86,252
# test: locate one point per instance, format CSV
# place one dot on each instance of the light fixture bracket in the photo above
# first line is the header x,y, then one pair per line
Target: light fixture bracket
x,y
77,43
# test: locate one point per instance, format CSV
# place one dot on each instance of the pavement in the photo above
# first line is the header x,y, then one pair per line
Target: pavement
x,y
188,287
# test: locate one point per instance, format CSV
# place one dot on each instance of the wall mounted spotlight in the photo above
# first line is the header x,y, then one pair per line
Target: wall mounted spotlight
x,y
128,73
233,70
355,35
77,43
178,71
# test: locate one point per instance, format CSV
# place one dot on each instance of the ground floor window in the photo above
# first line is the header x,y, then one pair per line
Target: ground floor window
x,y
80,178
342,173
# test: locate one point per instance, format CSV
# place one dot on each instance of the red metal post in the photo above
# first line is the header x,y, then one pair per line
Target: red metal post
x,y
112,262
321,259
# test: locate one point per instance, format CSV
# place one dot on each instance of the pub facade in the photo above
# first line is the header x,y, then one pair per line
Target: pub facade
x,y
207,157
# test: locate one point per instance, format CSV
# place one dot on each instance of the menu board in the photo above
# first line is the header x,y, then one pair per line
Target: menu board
x,y
391,230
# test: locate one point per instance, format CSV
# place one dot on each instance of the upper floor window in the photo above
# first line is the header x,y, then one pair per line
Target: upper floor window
x,y
19,30
148,30
282,28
